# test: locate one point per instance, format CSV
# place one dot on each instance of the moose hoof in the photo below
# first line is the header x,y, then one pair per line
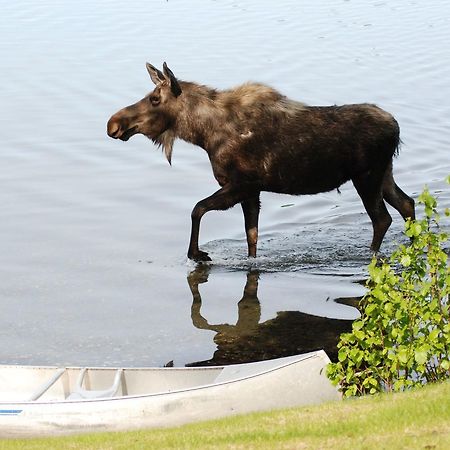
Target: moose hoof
x,y
199,256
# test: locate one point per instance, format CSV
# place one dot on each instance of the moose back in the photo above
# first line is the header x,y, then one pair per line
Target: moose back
x,y
259,140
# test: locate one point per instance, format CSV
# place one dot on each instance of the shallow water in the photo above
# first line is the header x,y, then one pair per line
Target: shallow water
x,y
94,232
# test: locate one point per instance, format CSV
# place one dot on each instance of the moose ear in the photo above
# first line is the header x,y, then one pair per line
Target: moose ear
x,y
156,75
174,85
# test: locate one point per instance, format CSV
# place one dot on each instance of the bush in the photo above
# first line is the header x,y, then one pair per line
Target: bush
x,y
403,336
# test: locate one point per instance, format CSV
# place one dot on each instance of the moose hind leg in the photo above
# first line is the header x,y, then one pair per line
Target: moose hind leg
x,y
250,208
372,197
397,198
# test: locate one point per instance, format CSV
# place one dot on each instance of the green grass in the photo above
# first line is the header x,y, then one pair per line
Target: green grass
x,y
416,419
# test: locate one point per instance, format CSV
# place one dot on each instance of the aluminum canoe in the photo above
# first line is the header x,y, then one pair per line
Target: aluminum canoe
x,y
37,401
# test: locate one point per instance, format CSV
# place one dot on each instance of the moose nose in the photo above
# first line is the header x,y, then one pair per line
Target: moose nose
x,y
114,127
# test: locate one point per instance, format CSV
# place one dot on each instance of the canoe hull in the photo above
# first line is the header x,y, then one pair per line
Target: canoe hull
x,y
293,384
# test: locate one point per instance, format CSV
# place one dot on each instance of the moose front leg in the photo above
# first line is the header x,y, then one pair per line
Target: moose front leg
x,y
250,208
197,276
223,199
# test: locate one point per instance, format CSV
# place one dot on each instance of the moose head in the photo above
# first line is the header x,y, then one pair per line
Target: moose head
x,y
154,115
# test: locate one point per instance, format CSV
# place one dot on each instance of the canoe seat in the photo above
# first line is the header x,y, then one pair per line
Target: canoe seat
x,y
80,393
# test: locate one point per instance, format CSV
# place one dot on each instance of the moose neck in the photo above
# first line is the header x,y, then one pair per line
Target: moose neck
x,y
201,120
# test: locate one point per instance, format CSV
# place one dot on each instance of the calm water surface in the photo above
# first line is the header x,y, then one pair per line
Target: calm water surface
x,y
94,232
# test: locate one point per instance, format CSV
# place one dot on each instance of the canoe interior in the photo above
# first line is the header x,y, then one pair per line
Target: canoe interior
x,y
19,384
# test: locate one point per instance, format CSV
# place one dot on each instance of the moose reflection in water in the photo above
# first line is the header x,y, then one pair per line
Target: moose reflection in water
x,y
289,333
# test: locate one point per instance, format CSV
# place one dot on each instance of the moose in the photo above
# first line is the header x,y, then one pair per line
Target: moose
x,y
259,140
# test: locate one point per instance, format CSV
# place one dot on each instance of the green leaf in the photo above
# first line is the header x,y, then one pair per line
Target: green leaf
x,y
402,356
342,354
434,334
414,229
421,356
405,260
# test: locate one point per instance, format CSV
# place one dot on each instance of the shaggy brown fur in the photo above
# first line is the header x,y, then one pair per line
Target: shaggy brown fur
x,y
259,140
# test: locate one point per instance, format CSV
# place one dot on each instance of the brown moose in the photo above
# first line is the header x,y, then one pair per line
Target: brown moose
x,y
259,140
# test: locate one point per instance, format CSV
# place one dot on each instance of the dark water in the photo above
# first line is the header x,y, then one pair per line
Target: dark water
x,y
94,232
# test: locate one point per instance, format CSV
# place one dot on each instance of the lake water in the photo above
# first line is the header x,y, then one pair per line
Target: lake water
x,y
94,231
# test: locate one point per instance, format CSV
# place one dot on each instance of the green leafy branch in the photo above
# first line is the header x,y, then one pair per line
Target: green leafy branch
x,y
403,336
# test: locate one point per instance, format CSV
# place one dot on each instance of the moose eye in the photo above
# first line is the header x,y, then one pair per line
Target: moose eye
x,y
155,100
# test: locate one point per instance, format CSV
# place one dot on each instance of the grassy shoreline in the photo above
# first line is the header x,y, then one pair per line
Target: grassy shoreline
x,y
415,419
